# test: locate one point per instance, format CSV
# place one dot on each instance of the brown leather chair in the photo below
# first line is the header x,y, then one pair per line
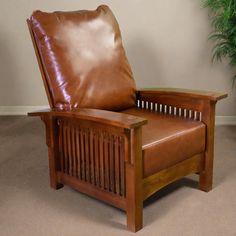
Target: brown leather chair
x,y
106,138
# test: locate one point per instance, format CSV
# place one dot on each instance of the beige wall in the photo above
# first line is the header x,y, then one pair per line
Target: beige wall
x,y
166,42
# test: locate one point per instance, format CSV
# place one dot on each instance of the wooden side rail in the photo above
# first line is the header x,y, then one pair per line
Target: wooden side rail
x,y
179,102
92,155
191,104
155,182
100,116
99,153
179,92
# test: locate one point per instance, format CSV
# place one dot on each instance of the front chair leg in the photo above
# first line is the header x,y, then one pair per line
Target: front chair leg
x,y
134,187
134,208
53,150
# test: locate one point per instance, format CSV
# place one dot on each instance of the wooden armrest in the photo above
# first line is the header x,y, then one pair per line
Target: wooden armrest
x,y
198,94
105,117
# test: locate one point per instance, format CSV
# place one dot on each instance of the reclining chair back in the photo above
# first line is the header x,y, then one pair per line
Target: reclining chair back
x,y
82,60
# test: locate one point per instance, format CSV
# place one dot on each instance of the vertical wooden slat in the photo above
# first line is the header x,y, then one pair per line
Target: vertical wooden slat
x,y
117,165
194,115
164,109
122,172
175,111
106,154
101,157
155,107
198,116
159,108
69,149
82,154
180,111
187,113
111,162
61,145
91,153
73,150
96,156
77,135
86,149
65,147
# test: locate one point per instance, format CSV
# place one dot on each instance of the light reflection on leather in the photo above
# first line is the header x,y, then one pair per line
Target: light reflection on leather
x,y
88,45
84,60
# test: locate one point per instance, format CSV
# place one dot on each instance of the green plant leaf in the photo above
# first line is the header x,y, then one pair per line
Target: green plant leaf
x,y
223,17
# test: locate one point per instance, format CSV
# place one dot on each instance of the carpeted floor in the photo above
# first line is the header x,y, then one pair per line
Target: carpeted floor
x,y
29,207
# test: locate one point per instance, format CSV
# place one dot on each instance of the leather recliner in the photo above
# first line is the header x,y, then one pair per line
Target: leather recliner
x,y
105,137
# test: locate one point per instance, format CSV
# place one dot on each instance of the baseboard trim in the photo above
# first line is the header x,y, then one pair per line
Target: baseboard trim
x,y
23,110
225,120
19,110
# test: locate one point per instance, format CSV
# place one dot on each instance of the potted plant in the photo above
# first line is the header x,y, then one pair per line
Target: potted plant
x,y
223,16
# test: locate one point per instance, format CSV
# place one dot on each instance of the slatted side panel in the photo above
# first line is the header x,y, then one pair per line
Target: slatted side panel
x,y
93,156
171,110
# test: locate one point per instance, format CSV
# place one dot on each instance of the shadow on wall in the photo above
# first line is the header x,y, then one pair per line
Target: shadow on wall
x,y
145,62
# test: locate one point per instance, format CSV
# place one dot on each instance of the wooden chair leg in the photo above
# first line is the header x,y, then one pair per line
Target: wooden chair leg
x,y
135,218
206,176
53,153
53,170
134,187
134,208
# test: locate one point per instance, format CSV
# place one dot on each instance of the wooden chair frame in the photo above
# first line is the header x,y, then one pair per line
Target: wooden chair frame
x,y
100,152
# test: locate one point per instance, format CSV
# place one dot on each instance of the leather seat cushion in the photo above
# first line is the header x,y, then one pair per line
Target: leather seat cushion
x,y
83,59
167,139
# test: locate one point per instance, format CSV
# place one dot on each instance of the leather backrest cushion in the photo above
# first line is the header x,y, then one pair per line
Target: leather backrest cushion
x,y
83,59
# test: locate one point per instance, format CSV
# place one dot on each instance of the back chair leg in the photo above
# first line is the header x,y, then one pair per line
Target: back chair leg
x,y
53,170
206,176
